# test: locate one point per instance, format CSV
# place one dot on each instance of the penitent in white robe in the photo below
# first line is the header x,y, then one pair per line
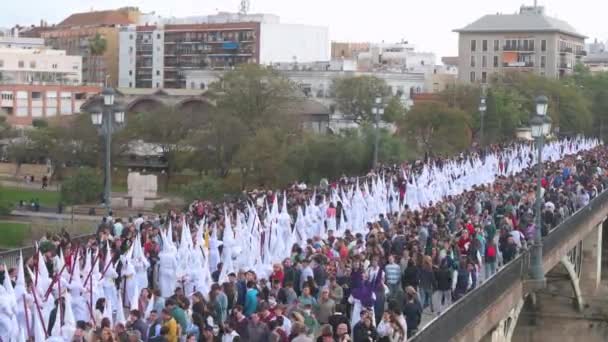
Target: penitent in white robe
x,y
166,274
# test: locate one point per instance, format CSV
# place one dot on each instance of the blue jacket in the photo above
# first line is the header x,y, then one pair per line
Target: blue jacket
x,y
251,301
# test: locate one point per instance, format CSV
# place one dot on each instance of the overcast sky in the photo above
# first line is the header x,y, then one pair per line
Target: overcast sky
x,y
426,23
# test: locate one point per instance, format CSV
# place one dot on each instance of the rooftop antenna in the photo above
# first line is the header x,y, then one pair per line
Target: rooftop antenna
x,y
244,7
535,3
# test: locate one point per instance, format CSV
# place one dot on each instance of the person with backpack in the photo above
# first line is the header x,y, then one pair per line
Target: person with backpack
x,y
490,259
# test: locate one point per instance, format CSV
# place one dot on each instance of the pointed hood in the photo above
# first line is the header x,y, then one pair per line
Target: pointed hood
x,y
120,312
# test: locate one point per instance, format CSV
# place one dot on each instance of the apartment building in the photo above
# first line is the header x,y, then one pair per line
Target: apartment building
x,y
158,56
15,42
528,41
23,103
75,35
39,66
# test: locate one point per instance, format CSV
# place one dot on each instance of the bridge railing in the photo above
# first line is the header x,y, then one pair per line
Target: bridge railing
x,y
11,257
460,314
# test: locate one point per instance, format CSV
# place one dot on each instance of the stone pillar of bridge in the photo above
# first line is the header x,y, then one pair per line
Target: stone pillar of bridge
x,y
591,272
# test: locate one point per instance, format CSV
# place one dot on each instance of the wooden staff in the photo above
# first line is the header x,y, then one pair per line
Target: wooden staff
x,y
27,318
74,261
91,271
55,280
46,334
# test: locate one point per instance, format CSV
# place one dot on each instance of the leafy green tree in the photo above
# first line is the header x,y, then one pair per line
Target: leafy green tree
x,y
83,187
505,113
40,123
261,158
394,110
257,96
207,188
436,129
356,95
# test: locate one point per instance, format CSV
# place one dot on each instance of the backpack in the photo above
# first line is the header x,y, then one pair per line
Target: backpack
x,y
491,252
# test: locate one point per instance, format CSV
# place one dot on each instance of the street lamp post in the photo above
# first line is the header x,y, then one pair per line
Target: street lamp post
x,y
377,110
482,114
540,127
107,122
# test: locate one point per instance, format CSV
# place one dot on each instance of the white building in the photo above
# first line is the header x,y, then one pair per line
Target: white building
x,y
159,55
395,57
315,79
16,42
39,66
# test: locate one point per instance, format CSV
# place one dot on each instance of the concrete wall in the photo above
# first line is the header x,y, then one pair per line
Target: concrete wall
x,y
288,42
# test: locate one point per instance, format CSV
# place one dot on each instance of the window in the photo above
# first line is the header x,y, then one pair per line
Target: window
x,y
496,45
543,61
202,85
157,72
130,84
484,45
484,61
33,64
158,36
157,85
472,76
496,61
54,66
36,95
543,45
1,63
130,49
531,44
484,77
131,37
5,95
472,61
21,64
80,96
473,45
130,72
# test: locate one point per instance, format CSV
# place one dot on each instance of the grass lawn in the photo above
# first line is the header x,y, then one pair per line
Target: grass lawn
x,y
12,196
12,234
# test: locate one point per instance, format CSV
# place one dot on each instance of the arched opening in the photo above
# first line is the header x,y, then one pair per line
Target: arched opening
x,y
143,105
197,108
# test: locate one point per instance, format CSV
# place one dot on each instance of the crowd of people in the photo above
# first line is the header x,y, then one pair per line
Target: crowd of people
x,y
363,259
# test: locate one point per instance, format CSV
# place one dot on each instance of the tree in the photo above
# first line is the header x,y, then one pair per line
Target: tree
x,y
394,110
207,188
255,95
216,144
83,187
437,129
167,129
261,158
40,123
97,47
356,95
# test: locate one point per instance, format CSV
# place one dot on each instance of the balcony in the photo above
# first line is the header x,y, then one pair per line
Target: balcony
x,y
564,51
518,65
521,49
565,65
581,53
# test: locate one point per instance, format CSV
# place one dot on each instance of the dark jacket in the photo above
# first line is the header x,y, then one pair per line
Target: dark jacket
x,y
427,279
411,277
444,279
363,333
413,314
140,326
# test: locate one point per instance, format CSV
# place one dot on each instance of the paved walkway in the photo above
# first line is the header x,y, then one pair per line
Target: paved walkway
x,y
24,185
55,216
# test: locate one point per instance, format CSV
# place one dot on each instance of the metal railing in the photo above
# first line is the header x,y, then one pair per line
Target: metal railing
x,y
11,257
466,310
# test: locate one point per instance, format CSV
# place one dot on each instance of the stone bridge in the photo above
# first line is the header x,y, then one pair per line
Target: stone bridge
x,y
490,312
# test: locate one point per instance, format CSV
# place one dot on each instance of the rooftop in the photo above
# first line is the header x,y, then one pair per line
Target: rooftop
x,y
529,19
100,18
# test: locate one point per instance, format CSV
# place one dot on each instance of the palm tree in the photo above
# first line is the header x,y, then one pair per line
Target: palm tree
x,y
97,47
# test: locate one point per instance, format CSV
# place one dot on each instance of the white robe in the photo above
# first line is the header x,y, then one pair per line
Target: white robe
x,y
166,274
355,316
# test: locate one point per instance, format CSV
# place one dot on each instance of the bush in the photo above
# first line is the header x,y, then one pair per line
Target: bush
x,y
83,187
40,123
207,188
